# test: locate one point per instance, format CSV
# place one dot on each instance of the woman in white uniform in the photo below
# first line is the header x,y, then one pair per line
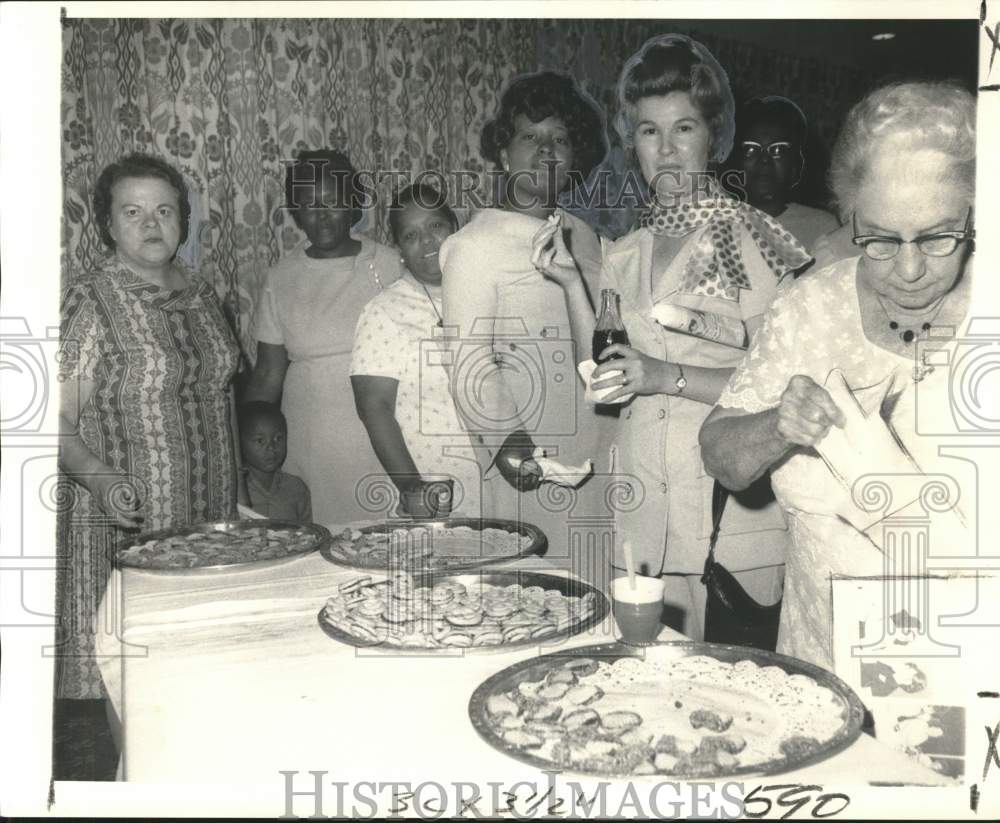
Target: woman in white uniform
x,y
513,365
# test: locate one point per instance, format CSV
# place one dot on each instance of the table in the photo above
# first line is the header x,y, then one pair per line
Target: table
x,y
229,678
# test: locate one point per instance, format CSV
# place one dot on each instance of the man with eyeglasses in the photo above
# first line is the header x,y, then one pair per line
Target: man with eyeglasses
x,y
772,133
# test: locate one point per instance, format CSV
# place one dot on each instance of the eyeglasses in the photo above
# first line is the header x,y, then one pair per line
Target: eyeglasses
x,y
939,244
779,150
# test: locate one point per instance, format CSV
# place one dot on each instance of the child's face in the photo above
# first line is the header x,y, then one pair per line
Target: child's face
x,y
263,444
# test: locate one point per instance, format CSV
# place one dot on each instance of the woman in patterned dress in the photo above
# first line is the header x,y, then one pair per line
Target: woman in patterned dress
x,y
696,249
145,408
903,173
400,387
304,324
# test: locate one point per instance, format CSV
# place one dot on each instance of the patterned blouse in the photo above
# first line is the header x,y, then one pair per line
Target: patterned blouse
x,y
162,361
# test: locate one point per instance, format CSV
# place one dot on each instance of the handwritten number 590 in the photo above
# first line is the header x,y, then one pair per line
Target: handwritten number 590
x,y
794,797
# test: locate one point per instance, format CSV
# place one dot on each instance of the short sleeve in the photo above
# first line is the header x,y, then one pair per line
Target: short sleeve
x,y
266,322
764,283
774,356
79,346
376,344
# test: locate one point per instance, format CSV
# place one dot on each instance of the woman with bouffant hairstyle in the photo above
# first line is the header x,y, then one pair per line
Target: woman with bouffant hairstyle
x,y
546,137
695,249
538,96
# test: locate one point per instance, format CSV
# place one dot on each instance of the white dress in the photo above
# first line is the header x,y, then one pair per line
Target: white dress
x,y
398,337
311,307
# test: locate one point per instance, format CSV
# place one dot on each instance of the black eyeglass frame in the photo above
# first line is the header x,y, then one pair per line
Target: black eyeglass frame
x,y
793,149
865,240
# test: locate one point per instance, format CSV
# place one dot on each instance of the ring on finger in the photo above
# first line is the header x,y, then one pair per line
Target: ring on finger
x,y
625,379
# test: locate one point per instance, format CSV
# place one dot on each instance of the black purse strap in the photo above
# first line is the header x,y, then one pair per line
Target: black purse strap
x,y
719,496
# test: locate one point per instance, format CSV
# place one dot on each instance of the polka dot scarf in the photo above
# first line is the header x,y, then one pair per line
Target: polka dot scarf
x,y
716,268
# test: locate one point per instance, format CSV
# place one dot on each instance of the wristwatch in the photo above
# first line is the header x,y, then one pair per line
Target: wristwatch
x,y
681,381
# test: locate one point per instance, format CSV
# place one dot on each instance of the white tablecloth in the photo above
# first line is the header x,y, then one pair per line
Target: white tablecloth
x,y
229,678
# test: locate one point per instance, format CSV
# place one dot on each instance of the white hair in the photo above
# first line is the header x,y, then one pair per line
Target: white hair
x,y
907,117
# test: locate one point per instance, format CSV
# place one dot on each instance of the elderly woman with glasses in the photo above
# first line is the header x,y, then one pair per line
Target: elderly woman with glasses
x,y
903,173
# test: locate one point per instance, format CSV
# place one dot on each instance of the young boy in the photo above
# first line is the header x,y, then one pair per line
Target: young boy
x,y
273,493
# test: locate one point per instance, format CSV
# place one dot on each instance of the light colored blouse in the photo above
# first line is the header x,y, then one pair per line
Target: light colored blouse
x,y
656,445
814,327
311,307
398,337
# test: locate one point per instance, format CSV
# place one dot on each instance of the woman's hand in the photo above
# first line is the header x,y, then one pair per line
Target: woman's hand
x,y
806,412
640,373
118,498
427,498
549,253
516,464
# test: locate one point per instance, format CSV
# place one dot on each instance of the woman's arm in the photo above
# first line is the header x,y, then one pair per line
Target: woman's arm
x,y
375,400
647,375
268,376
107,485
552,258
737,447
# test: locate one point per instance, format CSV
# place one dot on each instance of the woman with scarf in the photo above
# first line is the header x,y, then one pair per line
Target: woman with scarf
x,y
695,249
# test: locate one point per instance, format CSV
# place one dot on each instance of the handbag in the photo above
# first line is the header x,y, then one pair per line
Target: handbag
x,y
731,615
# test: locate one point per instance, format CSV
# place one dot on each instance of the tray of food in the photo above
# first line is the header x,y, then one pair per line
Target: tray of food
x,y
439,612
667,710
221,546
453,544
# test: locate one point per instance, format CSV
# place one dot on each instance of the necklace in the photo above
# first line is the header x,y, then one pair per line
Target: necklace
x,y
908,335
440,322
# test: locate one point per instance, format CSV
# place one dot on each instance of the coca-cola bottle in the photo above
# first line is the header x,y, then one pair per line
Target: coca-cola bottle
x,y
609,328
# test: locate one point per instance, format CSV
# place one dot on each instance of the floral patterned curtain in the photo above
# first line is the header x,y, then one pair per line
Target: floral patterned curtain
x,y
228,100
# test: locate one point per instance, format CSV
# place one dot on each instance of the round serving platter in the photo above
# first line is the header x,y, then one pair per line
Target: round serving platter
x,y
340,549
250,529
570,587
534,670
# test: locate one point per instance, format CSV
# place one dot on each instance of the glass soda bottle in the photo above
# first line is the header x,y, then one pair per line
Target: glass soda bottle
x,y
609,328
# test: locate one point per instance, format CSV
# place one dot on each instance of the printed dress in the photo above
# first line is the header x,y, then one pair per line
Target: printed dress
x,y
814,327
162,362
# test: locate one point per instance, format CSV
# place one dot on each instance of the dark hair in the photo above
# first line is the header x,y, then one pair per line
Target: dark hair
x,y
674,62
131,166
310,166
549,94
426,197
774,109
256,410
